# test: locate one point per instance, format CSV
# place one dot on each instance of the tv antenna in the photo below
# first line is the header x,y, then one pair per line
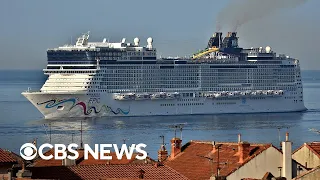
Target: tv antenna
x,y
279,134
124,140
72,135
49,135
178,127
162,138
211,159
81,141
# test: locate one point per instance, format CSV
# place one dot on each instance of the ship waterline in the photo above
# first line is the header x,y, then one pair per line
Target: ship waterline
x,y
91,79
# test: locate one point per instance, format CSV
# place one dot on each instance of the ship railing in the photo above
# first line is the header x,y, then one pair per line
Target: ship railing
x,y
29,90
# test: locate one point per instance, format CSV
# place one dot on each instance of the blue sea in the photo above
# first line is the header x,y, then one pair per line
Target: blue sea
x,y
21,122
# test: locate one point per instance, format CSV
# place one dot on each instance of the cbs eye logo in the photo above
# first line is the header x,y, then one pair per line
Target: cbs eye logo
x,y
28,151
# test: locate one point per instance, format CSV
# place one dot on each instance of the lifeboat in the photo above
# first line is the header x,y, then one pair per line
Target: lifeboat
x,y
265,93
237,93
116,96
254,93
217,95
124,97
210,95
245,93
270,92
224,93
259,93
161,95
155,96
170,96
142,96
278,93
230,94
176,95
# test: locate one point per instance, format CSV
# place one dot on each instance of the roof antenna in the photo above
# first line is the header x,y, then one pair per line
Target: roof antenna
x,y
72,137
181,127
279,136
176,127
162,137
50,132
124,140
81,142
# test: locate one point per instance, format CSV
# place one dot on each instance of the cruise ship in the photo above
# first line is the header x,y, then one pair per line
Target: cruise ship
x,y
105,78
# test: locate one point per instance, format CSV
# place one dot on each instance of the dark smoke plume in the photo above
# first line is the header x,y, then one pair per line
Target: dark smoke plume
x,y
239,12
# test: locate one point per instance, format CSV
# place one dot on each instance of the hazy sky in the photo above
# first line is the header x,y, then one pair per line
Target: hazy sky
x,y
178,27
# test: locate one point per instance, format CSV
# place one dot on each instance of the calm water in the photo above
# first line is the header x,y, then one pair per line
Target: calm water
x,y
21,122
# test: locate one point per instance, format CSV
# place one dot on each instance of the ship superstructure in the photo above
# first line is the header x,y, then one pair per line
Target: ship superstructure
x,y
126,79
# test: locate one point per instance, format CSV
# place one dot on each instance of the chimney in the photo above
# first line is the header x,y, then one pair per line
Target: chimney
x,y
243,151
162,153
175,147
24,173
10,171
67,161
239,138
287,158
214,149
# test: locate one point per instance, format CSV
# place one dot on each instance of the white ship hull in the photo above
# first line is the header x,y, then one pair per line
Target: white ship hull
x,y
56,105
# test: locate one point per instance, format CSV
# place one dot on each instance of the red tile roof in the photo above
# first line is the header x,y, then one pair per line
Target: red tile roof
x,y
105,172
81,161
313,146
193,161
7,157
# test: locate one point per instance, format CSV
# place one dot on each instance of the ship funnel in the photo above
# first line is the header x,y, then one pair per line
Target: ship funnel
x,y
230,41
215,40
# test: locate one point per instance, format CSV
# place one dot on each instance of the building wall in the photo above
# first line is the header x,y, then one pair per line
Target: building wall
x,y
311,176
4,168
268,161
295,169
305,156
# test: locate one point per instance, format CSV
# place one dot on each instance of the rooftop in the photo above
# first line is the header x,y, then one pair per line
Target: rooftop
x,y
313,146
7,157
90,161
104,171
196,157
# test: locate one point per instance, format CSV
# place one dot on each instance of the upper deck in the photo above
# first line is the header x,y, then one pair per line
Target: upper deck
x,y
85,53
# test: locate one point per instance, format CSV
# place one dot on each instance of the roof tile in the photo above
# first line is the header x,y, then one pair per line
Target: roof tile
x,y
7,157
104,171
195,160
